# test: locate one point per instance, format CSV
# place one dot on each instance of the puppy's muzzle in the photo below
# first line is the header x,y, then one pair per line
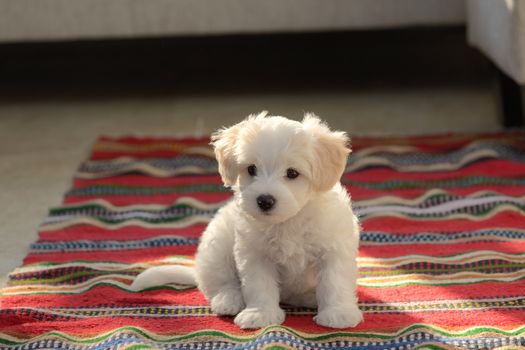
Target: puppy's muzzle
x,y
266,202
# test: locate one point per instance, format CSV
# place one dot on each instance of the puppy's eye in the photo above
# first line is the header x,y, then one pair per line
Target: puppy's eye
x,y
291,173
252,170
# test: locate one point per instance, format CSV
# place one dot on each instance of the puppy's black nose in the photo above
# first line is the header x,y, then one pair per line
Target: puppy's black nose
x,y
265,202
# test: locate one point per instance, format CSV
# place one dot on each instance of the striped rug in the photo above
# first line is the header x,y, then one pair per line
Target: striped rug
x,y
442,257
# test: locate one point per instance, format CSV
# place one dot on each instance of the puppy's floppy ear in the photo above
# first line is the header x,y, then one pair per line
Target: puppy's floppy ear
x,y
223,142
330,153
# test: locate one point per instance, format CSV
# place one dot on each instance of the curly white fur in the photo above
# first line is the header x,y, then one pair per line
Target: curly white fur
x,y
301,252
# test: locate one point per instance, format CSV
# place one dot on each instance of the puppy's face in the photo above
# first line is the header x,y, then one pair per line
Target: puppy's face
x,y
276,165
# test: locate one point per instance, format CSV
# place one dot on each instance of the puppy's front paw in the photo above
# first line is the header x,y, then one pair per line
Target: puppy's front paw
x,y
339,317
251,318
227,302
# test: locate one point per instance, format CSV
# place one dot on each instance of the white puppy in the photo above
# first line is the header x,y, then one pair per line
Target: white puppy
x,y
288,236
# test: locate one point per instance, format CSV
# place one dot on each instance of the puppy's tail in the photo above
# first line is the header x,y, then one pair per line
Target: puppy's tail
x,y
160,275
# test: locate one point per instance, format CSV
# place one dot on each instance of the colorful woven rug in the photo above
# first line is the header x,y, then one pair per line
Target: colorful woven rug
x,y
442,262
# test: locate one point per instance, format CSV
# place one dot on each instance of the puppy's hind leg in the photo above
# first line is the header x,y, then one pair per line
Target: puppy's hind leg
x,y
216,273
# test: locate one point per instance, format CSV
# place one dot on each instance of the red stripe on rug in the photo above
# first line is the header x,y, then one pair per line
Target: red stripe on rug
x,y
94,233
126,256
386,251
507,219
458,320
